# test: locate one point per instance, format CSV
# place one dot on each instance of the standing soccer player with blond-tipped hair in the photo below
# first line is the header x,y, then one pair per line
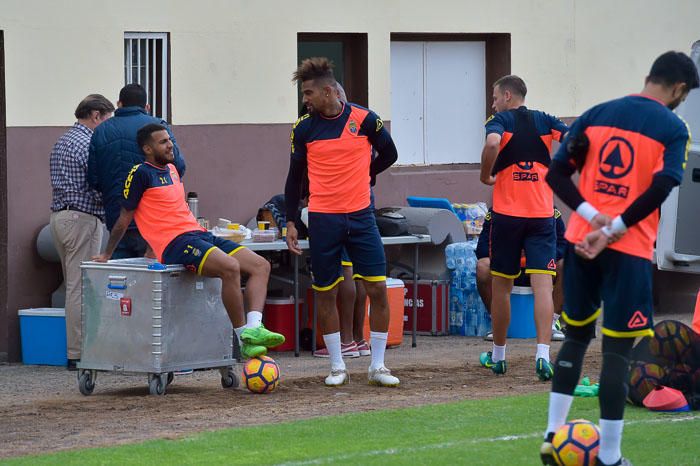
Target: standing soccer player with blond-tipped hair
x,y
334,140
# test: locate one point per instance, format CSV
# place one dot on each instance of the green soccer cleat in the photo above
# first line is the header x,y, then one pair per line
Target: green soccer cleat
x,y
497,367
544,369
485,359
260,336
249,351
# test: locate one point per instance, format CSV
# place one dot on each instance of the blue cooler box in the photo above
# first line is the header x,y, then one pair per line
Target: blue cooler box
x,y
43,333
522,313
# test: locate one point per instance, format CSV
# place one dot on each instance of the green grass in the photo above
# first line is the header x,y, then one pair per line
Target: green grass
x,y
468,432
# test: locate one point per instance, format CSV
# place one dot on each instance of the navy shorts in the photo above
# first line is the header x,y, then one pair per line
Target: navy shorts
x,y
562,244
482,245
357,232
345,258
512,235
191,249
621,281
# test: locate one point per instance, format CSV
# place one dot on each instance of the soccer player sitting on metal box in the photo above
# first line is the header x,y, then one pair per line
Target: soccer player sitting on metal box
x,y
155,197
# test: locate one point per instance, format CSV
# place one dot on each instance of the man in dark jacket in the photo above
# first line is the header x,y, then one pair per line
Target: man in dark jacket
x,y
113,153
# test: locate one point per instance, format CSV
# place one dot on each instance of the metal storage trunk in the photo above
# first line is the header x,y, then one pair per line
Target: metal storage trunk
x,y
141,316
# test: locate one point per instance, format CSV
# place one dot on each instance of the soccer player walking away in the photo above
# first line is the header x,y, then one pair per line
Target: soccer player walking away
x,y
630,153
515,160
334,140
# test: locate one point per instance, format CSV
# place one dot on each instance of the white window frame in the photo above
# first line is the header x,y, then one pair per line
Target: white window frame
x,y
428,153
150,61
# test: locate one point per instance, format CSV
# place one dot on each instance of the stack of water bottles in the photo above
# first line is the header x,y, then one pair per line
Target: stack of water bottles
x,y
467,313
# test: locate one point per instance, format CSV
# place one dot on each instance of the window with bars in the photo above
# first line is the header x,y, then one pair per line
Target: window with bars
x,y
146,63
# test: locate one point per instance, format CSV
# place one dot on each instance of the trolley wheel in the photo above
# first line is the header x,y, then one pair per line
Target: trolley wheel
x,y
85,383
171,377
229,379
156,386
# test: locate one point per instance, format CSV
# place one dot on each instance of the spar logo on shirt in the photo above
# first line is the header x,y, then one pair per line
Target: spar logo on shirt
x,y
615,161
525,175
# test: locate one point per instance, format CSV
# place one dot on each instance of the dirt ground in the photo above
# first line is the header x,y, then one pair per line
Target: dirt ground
x,y
42,410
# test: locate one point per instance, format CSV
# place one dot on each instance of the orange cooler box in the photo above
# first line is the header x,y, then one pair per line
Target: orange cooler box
x,y
395,290
279,317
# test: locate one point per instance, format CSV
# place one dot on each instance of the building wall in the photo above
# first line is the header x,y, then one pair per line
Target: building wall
x,y
233,101
232,61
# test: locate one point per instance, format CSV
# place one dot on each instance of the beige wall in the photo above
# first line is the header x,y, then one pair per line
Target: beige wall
x,y
232,60
616,42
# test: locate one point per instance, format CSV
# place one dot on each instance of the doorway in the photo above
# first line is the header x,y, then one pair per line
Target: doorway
x,y
348,51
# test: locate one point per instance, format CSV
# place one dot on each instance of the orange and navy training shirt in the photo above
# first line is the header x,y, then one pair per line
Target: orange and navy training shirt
x,y
522,162
158,197
632,139
338,153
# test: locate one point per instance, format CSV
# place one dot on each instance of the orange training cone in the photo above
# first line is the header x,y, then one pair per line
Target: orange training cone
x,y
696,316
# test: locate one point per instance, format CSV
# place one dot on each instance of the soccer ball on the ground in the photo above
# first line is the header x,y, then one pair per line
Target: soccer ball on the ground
x,y
261,374
680,377
576,443
672,342
644,377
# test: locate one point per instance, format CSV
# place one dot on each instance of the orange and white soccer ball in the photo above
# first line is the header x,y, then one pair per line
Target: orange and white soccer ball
x,y
261,374
576,443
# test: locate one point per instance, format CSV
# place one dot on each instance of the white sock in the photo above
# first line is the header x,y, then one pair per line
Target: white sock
x,y
253,319
498,353
559,405
238,331
555,317
542,352
332,341
610,439
377,341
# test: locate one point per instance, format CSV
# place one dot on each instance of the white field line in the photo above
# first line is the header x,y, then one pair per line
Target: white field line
x,y
439,446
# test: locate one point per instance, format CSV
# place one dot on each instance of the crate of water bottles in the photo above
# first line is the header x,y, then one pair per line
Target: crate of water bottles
x,y
467,313
472,216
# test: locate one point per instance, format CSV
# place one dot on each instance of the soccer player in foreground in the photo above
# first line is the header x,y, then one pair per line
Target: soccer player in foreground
x,y
335,142
514,161
630,153
155,197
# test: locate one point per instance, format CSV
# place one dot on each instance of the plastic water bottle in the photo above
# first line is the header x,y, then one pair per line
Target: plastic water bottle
x,y
471,268
468,317
485,323
450,256
479,320
460,261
